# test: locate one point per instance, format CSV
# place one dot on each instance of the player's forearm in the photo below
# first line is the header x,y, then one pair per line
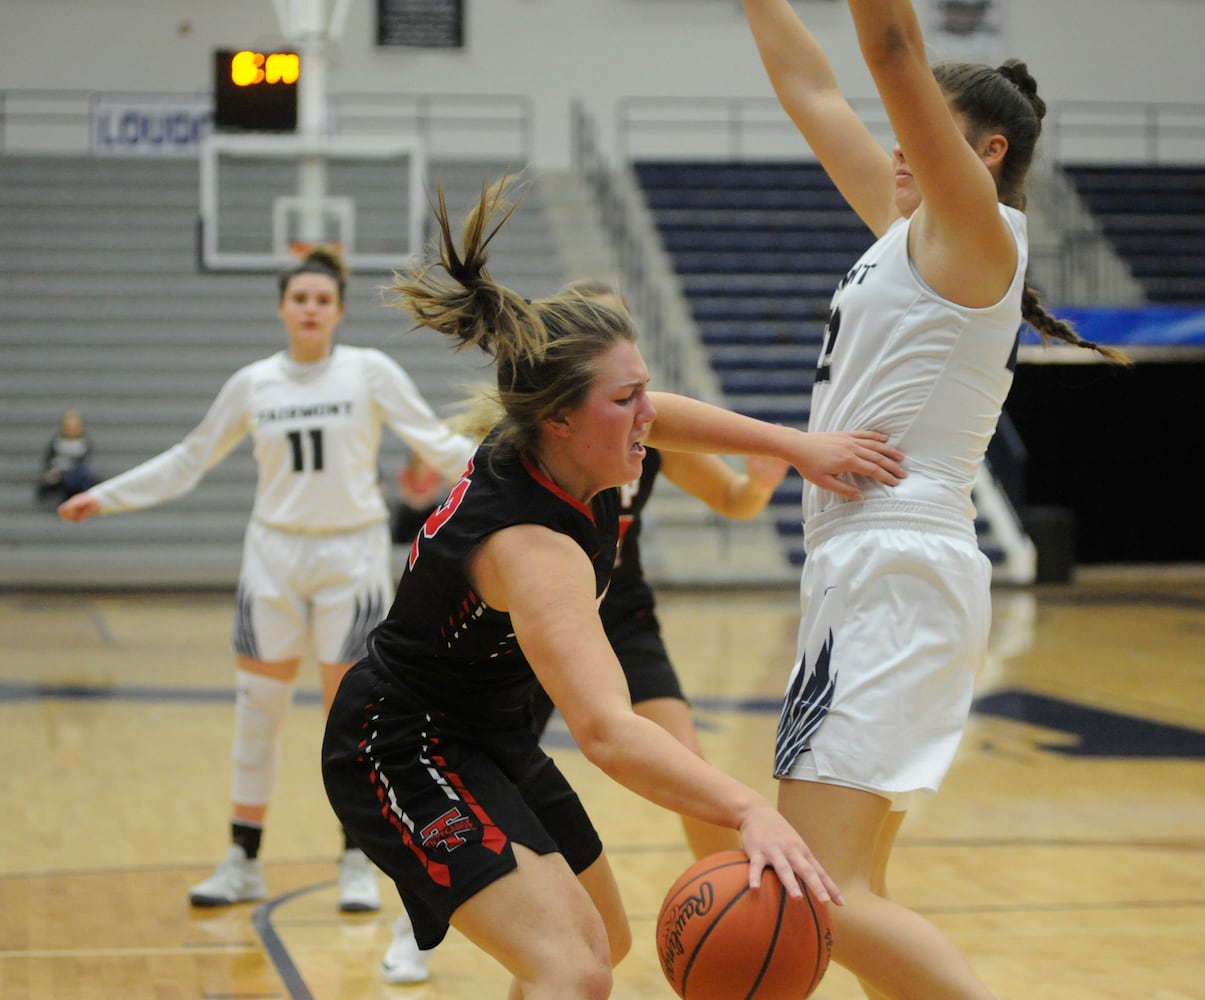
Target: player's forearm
x,y
685,424
646,759
747,498
166,476
793,58
887,30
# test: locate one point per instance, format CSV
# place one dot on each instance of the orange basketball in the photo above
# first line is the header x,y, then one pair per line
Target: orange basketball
x,y
719,940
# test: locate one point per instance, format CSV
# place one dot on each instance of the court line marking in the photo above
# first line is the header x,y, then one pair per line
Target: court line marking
x,y
224,949
274,947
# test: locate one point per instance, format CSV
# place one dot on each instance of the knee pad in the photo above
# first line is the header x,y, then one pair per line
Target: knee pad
x,y
260,706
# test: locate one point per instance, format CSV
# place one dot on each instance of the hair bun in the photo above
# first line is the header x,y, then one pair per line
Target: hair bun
x,y
1017,73
329,257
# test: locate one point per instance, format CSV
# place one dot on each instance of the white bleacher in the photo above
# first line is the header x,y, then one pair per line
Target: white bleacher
x,y
105,310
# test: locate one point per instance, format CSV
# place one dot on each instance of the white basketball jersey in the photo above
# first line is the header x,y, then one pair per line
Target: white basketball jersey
x,y
931,374
317,431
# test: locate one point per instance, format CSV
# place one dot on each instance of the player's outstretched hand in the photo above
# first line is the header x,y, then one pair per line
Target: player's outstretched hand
x,y
79,507
824,456
771,842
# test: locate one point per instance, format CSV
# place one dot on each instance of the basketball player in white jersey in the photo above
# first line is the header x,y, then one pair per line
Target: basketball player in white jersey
x,y
921,343
316,574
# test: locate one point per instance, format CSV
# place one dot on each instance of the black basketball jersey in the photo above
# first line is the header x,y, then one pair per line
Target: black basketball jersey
x,y
440,640
629,591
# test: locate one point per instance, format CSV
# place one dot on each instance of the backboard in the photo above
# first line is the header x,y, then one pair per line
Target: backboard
x,y
263,196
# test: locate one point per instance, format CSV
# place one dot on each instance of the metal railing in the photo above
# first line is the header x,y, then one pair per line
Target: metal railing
x,y
743,128
734,128
1144,132
497,126
647,127
54,115
1074,263
646,297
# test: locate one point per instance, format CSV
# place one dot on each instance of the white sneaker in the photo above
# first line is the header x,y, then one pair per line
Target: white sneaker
x,y
238,879
405,962
358,891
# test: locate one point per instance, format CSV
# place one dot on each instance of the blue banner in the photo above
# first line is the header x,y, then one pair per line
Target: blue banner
x,y
1133,326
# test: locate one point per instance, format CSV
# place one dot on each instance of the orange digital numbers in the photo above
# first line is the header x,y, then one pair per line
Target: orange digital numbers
x,y
249,68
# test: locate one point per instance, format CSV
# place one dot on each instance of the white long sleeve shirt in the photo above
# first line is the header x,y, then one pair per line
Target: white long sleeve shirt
x,y
316,430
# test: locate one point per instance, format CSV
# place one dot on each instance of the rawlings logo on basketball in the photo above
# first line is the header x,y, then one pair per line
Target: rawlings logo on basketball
x,y
675,924
719,939
446,831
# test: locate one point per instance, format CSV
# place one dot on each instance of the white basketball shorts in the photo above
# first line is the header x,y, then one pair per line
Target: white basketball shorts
x,y
302,593
896,613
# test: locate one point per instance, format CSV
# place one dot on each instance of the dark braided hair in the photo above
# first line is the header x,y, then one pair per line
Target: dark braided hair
x,y
1005,100
1050,327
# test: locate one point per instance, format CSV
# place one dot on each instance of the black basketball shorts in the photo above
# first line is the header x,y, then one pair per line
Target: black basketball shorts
x,y
439,813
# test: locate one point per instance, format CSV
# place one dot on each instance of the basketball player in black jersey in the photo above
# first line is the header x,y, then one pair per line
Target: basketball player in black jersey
x,y
431,758
628,611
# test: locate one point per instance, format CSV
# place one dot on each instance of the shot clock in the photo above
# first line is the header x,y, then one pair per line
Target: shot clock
x,y
255,91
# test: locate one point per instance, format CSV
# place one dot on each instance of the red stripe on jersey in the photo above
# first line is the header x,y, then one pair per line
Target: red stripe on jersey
x,y
492,837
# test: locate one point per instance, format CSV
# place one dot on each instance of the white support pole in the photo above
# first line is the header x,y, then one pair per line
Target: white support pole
x,y
310,15
311,95
304,23
284,17
338,19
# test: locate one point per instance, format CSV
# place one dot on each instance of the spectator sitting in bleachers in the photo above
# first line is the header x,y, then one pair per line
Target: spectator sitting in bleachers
x,y
65,468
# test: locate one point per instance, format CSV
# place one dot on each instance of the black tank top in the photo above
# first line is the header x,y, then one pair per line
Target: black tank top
x,y
440,640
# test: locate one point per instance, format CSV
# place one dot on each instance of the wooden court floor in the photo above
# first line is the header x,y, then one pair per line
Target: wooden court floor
x,y
1065,854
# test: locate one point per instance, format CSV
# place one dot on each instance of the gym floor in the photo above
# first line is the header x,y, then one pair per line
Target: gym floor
x,y
1065,854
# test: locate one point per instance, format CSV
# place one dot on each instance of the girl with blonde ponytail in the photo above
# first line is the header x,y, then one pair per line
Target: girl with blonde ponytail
x,y
431,756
